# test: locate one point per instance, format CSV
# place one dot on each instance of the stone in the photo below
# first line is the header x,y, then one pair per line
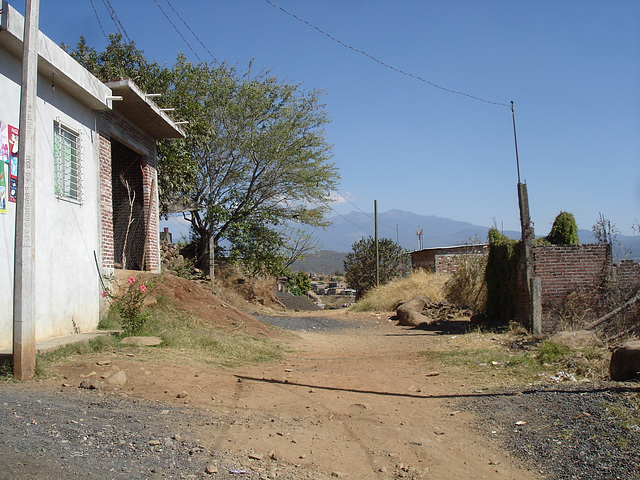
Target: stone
x,y
410,313
576,339
118,378
211,469
90,384
143,341
625,362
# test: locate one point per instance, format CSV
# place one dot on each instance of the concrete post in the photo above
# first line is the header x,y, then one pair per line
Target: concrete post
x,y
528,237
536,305
24,343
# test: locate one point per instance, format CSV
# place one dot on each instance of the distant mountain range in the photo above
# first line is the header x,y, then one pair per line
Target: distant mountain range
x,y
401,227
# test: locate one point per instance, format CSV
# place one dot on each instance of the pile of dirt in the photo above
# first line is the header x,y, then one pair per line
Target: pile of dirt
x,y
192,297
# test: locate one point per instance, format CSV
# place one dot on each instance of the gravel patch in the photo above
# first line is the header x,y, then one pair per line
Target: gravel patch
x,y
77,434
566,432
313,324
296,302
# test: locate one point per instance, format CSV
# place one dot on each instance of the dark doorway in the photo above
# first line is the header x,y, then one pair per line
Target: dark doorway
x,y
128,207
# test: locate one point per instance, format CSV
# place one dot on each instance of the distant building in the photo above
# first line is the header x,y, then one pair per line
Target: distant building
x,y
444,259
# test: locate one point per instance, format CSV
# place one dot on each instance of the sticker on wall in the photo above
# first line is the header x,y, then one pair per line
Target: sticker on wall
x,y
3,188
4,162
12,137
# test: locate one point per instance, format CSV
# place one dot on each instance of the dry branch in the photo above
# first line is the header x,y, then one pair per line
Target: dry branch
x,y
614,312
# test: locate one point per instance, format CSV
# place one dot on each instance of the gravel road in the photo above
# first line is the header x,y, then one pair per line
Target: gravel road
x,y
567,431
564,431
313,324
75,434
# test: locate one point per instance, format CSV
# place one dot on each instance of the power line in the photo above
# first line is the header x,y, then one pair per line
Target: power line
x,y
177,31
116,20
384,64
192,32
362,230
98,18
367,214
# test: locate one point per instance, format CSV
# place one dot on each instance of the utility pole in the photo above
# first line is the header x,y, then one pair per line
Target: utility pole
x,y
375,214
24,335
532,284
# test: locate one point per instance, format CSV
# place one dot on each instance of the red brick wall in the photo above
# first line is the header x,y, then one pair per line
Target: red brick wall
x,y
106,205
146,180
564,269
627,274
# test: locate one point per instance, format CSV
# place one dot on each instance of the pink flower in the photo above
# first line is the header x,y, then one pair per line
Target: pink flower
x,y
104,294
143,288
131,280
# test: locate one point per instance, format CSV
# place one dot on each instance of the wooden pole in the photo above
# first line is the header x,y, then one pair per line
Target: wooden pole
x,y
375,211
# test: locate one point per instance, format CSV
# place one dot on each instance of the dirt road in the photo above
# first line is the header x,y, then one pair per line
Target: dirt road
x,y
354,400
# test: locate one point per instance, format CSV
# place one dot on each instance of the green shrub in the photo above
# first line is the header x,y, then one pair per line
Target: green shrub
x,y
564,230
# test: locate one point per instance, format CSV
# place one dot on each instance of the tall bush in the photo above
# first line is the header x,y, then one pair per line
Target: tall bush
x,y
564,230
501,276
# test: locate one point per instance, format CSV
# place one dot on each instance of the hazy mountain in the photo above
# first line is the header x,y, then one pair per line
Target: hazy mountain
x,y
323,262
402,226
399,226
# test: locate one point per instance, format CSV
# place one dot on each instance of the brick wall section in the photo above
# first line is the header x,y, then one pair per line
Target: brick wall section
x,y
106,204
563,269
449,263
115,123
627,274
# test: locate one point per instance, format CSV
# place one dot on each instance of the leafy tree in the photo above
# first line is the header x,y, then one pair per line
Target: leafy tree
x,y
120,59
298,284
564,230
254,160
360,264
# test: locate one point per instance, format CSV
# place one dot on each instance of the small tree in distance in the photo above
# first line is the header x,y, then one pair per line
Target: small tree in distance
x,y
360,264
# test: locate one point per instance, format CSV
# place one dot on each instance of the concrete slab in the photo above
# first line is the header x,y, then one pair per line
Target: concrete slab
x,y
53,343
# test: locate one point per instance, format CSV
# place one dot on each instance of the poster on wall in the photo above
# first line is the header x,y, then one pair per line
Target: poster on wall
x,y
3,188
4,166
12,137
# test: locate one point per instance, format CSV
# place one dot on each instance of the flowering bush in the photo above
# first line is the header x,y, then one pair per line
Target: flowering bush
x,y
130,303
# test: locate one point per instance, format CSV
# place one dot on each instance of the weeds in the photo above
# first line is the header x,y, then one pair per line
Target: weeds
x,y
45,360
387,297
492,359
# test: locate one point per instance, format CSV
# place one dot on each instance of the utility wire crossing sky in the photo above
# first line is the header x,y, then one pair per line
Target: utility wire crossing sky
x,y
412,89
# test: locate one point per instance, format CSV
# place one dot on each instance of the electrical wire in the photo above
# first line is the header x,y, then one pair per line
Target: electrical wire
x,y
116,20
362,230
395,229
98,19
384,64
192,32
177,31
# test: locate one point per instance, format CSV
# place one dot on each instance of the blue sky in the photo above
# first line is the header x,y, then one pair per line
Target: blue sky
x,y
571,67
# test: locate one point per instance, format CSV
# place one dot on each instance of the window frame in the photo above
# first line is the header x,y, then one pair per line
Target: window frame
x,y
67,163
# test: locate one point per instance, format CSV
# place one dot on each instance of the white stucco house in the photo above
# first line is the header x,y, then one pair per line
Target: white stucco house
x,y
93,156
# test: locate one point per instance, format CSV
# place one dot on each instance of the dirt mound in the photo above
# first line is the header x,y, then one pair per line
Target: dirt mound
x,y
189,296
296,302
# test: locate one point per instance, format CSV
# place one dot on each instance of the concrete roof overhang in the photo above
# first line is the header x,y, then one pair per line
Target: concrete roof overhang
x,y
137,107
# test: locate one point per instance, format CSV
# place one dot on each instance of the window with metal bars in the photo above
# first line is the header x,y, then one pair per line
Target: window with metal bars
x,y
68,167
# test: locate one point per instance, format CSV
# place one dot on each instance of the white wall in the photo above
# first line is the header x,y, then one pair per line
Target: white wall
x,y
67,284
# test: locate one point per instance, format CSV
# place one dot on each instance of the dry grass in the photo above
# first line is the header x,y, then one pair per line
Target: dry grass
x,y
387,297
509,359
